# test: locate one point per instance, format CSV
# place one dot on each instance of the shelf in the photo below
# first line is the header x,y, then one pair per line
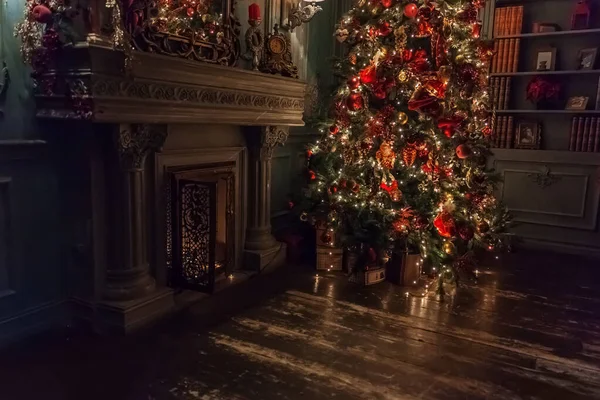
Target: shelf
x,y
593,112
543,34
530,73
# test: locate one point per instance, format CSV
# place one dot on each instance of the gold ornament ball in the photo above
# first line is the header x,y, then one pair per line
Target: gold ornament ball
x,y
402,118
460,59
449,248
304,217
402,76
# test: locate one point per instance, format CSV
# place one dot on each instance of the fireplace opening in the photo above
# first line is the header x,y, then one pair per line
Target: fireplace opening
x,y
200,248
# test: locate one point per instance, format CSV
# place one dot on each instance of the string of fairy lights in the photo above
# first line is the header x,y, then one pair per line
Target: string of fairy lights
x,y
411,116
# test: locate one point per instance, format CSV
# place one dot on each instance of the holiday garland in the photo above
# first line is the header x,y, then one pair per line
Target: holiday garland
x,y
403,164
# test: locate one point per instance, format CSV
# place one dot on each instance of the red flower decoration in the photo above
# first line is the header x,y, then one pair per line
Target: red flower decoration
x,y
445,225
449,125
368,75
41,14
389,188
542,89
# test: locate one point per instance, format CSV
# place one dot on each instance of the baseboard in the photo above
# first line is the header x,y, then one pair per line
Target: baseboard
x,y
558,247
32,321
123,317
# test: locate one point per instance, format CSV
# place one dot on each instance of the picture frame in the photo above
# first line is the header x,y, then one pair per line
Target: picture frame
x,y
545,59
543,27
528,135
577,103
586,58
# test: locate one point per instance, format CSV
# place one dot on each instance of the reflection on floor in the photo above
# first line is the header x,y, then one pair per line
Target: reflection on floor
x,y
529,329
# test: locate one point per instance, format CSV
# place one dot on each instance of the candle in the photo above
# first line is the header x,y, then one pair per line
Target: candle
x,y
254,12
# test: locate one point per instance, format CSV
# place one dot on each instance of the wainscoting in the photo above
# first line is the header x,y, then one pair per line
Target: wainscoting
x,y
553,196
30,275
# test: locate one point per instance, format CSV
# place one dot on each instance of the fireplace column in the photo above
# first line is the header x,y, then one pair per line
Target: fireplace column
x,y
130,290
261,249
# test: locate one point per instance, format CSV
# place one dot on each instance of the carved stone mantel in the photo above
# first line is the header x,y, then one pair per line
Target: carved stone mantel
x,y
130,114
161,89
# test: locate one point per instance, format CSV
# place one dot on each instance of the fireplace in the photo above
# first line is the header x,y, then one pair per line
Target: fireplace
x,y
200,225
179,159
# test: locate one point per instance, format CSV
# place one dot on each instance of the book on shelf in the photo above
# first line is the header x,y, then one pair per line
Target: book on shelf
x,y
573,134
511,133
494,88
511,20
586,134
507,87
503,53
515,57
590,143
503,132
508,21
519,23
579,139
501,93
510,53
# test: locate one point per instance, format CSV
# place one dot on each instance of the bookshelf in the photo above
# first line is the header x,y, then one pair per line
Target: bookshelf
x,y
514,66
552,190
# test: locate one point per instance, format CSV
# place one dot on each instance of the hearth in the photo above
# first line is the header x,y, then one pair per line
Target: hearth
x,y
200,225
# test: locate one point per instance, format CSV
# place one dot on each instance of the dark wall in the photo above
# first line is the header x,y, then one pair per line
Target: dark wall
x,y
30,273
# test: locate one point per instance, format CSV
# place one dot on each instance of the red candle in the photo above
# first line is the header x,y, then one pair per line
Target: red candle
x,y
253,12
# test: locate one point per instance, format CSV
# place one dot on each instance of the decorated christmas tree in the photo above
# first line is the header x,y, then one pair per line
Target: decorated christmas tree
x,y
402,165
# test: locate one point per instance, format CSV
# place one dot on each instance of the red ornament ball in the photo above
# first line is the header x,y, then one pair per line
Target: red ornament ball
x,y
354,82
411,10
355,102
312,175
387,3
41,14
463,151
333,129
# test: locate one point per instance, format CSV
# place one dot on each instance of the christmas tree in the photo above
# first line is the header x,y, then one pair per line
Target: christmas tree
x,y
402,165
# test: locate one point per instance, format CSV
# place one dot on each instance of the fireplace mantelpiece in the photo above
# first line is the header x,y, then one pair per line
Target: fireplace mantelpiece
x,y
129,116
162,90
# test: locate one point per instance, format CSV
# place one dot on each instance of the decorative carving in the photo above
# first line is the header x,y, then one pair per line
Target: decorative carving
x,y
271,137
545,178
80,98
147,34
255,43
278,57
136,142
300,16
154,91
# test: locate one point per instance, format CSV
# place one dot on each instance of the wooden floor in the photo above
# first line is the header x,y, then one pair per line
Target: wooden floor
x,y
530,329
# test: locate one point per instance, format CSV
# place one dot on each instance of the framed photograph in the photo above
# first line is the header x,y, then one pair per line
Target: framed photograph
x,y
527,135
545,60
577,103
541,27
586,58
